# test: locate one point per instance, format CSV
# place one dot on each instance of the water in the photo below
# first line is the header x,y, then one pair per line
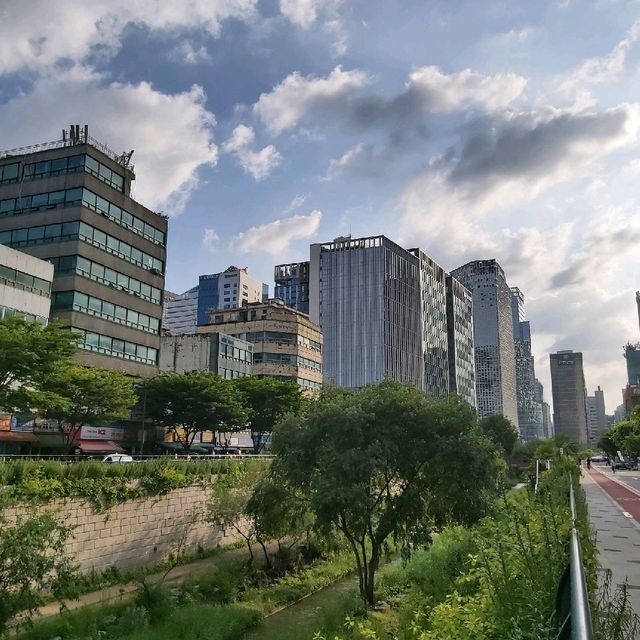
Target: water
x,y
300,621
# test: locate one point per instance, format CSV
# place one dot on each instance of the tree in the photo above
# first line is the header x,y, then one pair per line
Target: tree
x,y
268,400
32,563
30,353
626,434
88,396
386,461
187,403
607,444
501,431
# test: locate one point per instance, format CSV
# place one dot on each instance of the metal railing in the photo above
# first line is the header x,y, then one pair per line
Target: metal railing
x,y
573,598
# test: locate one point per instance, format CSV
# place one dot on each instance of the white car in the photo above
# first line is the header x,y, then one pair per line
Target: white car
x,y
117,457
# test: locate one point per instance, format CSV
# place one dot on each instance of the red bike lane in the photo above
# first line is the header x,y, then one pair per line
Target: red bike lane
x,y
626,498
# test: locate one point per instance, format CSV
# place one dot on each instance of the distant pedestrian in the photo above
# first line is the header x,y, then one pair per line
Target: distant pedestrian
x,y
613,465
588,463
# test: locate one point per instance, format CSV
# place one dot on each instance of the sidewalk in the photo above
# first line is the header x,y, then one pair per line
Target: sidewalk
x,y
614,511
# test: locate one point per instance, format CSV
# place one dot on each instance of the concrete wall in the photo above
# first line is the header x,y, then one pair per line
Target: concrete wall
x,y
138,532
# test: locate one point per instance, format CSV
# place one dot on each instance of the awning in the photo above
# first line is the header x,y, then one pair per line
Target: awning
x,y
17,436
99,446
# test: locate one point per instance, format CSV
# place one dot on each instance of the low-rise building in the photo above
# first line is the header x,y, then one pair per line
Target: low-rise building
x,y
286,344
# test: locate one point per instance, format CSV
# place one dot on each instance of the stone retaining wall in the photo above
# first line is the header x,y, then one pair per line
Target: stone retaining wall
x,y
138,532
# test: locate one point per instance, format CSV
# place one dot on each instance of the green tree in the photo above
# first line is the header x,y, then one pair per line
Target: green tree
x,y
386,461
32,562
187,403
626,434
607,444
501,431
30,353
88,396
268,401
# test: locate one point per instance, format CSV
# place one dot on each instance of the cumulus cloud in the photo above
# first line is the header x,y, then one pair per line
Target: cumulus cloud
x,y
304,12
172,134
297,95
258,164
74,30
187,53
210,239
275,237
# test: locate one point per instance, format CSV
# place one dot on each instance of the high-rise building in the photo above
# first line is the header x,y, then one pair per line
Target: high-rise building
x,y
25,286
495,362
230,289
548,430
460,341
596,416
180,312
619,413
286,344
292,285
69,202
632,356
569,396
638,305
529,406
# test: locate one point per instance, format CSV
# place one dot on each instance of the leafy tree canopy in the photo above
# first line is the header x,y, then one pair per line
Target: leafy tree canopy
x,y
625,435
268,400
501,431
30,354
386,461
187,403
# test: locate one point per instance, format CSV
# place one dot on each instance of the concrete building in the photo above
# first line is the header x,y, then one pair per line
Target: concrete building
x,y
223,355
632,356
529,406
25,286
229,289
68,202
292,285
495,363
619,414
460,341
180,312
548,430
286,344
365,293
596,416
569,396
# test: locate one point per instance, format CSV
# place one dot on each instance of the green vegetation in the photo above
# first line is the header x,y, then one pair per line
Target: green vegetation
x,y
106,485
386,462
623,436
501,431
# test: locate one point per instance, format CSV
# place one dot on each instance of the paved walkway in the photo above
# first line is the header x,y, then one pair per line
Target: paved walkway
x,y
614,511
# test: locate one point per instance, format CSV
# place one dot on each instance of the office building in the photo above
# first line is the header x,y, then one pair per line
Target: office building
x,y
286,344
460,341
229,289
223,355
548,430
292,285
619,414
638,305
68,202
529,407
632,356
365,293
180,312
569,396
25,286
596,416
495,363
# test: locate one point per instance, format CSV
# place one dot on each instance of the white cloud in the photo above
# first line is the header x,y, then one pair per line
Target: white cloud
x,y
187,53
172,134
210,239
301,12
34,36
297,202
275,237
259,164
447,92
337,166
289,101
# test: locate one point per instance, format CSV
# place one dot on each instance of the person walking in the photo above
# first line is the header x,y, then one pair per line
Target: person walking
x,y
588,463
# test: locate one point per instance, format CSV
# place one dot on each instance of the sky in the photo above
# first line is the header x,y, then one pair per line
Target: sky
x,y
495,129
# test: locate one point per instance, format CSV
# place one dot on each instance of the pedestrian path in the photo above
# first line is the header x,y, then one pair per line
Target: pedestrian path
x,y
614,511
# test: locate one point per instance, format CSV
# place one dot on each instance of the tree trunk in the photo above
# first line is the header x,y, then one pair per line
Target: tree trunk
x,y
266,554
374,562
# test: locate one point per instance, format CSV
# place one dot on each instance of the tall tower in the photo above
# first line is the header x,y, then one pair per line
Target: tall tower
x,y
569,396
69,202
493,338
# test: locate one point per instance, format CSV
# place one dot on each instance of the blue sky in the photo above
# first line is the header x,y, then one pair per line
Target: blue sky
x,y
472,129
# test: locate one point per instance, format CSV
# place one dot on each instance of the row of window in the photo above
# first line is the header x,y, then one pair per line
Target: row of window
x,y
80,230
231,374
63,300
62,166
242,355
8,312
95,271
281,336
69,197
115,347
24,281
286,358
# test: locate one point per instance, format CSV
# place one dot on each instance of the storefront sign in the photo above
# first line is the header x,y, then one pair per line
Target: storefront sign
x,y
101,433
5,422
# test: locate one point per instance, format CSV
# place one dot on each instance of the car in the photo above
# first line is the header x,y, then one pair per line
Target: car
x,y
117,457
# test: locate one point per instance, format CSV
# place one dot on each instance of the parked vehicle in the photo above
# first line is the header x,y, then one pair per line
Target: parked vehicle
x,y
117,457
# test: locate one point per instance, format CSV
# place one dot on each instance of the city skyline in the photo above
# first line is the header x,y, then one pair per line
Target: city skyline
x,y
263,127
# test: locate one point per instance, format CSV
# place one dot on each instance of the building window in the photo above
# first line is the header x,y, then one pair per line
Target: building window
x,y
117,348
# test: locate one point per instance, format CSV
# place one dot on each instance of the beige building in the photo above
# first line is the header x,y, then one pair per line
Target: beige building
x,y
286,344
